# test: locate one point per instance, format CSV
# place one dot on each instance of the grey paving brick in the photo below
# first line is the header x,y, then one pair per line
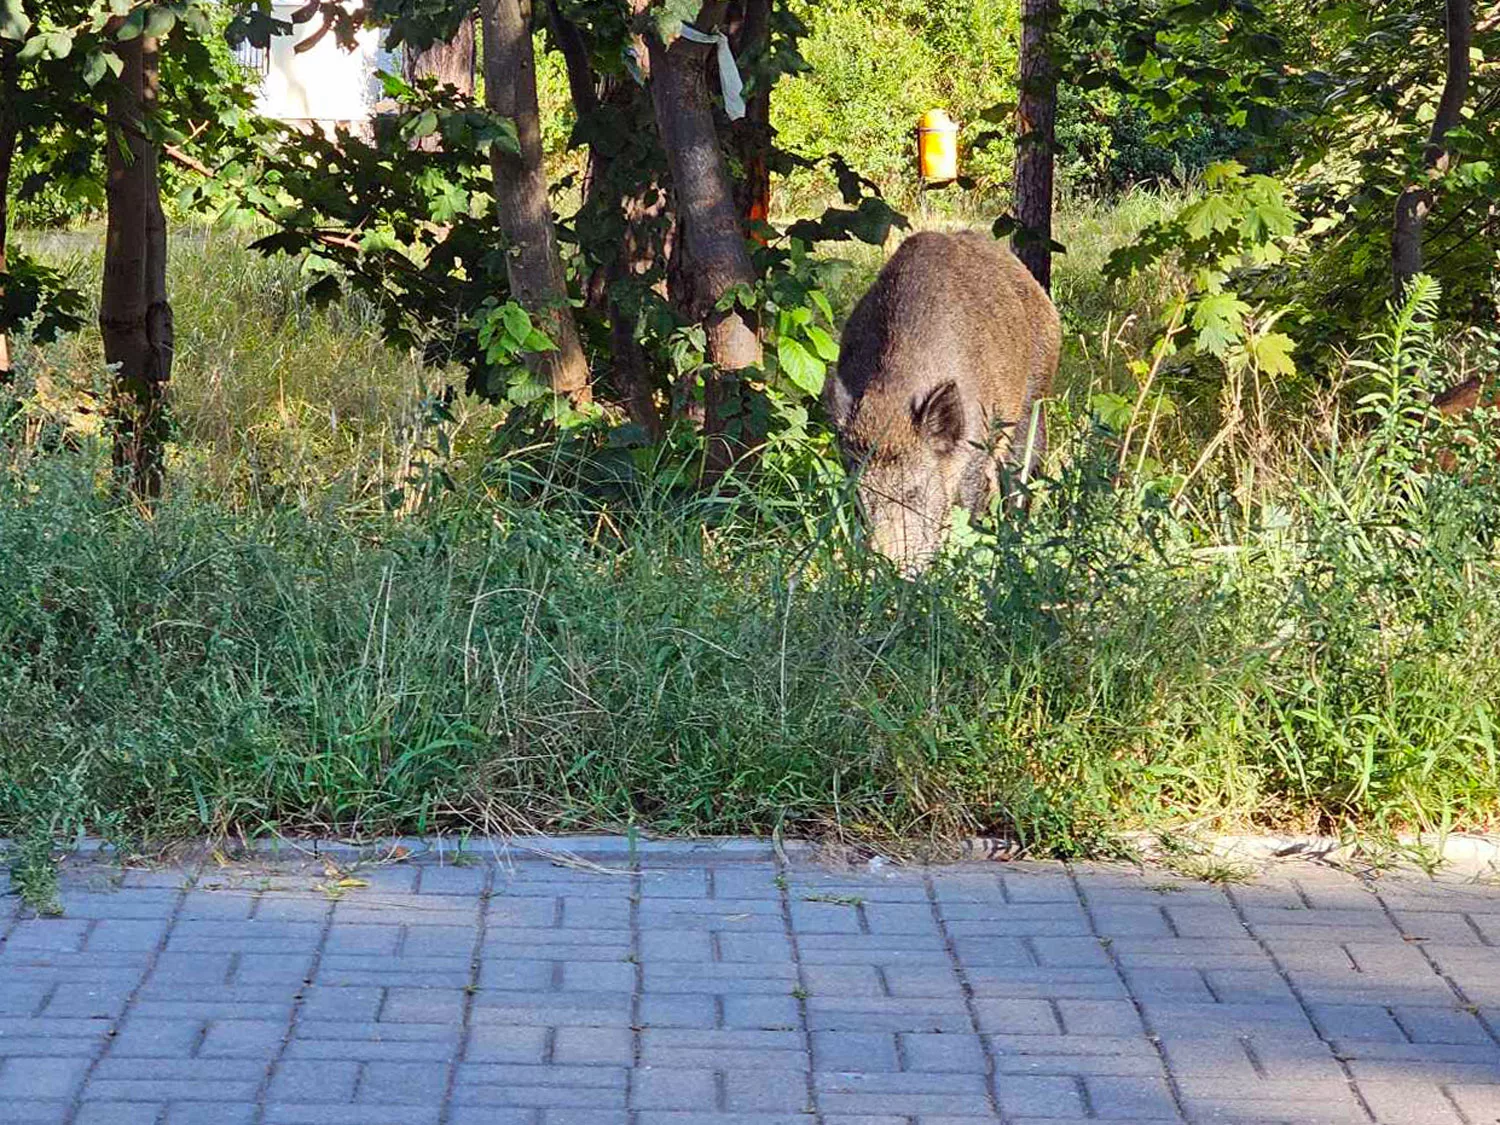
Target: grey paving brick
x,y
91,1000
1028,1017
30,1078
1130,1097
549,1009
35,1112
1440,1025
1039,1096
297,1080
1099,1017
1406,1103
403,1083
769,1013
937,1054
593,1046
908,1092
446,879
222,1114
834,1013
143,1038
667,1088
721,1049
278,1113
116,1113
697,1010
243,1039
854,1050
768,1090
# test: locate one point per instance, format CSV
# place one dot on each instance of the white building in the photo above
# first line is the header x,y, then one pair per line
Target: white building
x,y
324,85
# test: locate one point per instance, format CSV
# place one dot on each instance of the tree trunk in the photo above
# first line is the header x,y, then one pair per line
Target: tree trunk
x,y
533,263
451,62
9,129
749,35
1036,138
712,240
1416,202
608,205
135,318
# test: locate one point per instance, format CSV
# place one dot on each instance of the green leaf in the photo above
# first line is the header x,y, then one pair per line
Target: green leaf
x,y
159,21
1273,354
801,366
14,23
132,26
824,344
819,298
1213,213
1112,410
321,292
517,322
1219,320
32,48
672,14
537,341
94,68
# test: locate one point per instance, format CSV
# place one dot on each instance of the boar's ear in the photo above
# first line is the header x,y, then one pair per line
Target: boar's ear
x,y
838,402
939,416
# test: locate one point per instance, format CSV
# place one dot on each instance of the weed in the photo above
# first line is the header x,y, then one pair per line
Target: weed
x,y
836,900
33,874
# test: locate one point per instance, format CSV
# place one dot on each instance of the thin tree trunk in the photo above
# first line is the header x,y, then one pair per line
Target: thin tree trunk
x,y
1036,139
9,129
1417,201
534,264
450,62
715,256
630,368
751,135
135,318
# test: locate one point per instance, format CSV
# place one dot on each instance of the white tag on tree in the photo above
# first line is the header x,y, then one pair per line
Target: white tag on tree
x,y
729,74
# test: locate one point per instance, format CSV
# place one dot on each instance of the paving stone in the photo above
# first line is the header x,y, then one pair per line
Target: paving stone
x,y
296,1080
403,1083
936,1054
654,1087
855,1050
116,1113
689,1008
30,1078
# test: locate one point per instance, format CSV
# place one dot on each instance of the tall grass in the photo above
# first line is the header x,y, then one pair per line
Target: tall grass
x,y
1294,631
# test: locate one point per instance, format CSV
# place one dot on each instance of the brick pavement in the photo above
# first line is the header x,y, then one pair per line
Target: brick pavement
x,y
678,986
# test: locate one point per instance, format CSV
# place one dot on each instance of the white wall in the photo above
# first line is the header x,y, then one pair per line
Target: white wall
x,y
324,83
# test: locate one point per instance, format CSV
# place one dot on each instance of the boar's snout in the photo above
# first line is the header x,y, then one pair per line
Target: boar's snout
x,y
908,488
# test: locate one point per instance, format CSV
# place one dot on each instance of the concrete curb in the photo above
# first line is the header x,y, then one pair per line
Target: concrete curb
x,y
1458,852
599,849
1455,852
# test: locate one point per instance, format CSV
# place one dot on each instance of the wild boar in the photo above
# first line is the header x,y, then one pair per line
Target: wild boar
x,y
942,366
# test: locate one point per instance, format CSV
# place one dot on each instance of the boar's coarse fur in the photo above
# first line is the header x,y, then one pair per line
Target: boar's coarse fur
x,y
941,366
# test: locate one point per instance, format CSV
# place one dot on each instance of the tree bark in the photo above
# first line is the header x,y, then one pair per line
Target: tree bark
x,y
749,35
9,130
450,62
135,318
712,242
1036,139
1416,202
533,263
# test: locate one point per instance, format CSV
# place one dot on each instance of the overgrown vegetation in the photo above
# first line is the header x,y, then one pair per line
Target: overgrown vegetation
x,y
1296,635
452,537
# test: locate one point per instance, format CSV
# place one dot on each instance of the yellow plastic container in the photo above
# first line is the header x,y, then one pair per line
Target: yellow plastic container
x,y
937,147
